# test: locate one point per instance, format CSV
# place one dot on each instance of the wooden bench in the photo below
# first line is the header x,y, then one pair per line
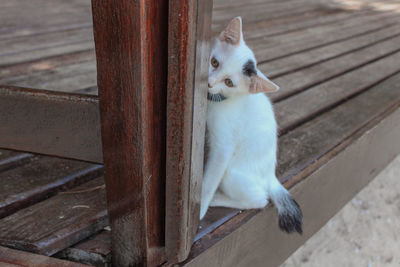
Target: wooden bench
x,y
337,110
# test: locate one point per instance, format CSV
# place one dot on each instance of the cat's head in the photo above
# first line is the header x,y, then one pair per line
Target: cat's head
x,y
233,67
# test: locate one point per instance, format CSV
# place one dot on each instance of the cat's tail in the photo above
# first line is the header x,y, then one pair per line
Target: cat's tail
x,y
290,215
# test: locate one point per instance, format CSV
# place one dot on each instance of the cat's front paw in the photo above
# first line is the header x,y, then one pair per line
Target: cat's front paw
x,y
203,210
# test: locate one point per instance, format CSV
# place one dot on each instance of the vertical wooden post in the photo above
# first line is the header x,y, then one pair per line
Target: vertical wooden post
x,y
131,50
188,56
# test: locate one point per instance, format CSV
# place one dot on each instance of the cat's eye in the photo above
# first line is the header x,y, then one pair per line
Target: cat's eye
x,y
229,82
214,62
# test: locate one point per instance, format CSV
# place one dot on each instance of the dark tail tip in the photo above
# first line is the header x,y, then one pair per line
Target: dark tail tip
x,y
291,218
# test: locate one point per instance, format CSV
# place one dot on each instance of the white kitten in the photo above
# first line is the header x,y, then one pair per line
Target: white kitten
x,y
240,170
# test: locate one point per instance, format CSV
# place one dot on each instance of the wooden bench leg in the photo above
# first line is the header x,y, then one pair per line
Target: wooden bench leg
x,y
131,50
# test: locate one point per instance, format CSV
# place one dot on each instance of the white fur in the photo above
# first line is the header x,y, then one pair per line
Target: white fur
x,y
242,137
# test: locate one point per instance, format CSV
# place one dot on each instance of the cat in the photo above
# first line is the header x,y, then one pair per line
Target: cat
x,y
242,134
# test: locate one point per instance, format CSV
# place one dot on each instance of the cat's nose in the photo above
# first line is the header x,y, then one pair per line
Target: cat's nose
x,y
209,86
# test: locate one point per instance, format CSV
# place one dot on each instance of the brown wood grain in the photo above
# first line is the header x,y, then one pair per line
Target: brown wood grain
x,y
10,257
41,14
64,78
300,21
17,50
95,250
188,50
282,66
58,222
276,47
11,159
131,50
259,11
306,77
52,123
300,147
39,179
299,108
45,65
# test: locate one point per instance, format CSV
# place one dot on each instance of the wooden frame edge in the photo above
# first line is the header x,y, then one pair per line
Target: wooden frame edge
x,y
188,52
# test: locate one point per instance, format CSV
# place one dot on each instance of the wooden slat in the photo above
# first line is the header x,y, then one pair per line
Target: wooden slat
x,y
94,251
296,22
25,16
58,222
65,125
10,159
369,149
309,142
18,50
257,12
10,257
297,61
297,109
67,78
131,51
32,30
265,29
189,34
224,4
276,47
40,179
295,82
45,64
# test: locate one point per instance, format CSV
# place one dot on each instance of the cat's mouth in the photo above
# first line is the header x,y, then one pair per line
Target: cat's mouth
x,y
215,97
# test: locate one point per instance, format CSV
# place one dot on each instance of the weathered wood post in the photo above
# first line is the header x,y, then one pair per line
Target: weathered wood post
x,y
137,44
131,50
188,57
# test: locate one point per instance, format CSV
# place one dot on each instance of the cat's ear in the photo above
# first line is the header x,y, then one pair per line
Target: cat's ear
x,y
261,84
233,32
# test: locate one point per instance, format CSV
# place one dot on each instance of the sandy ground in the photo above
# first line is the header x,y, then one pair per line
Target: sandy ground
x,y
366,232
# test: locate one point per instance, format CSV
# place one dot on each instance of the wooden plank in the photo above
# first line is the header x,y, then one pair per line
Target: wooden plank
x,y
10,257
64,78
131,52
45,52
40,179
52,123
308,143
27,16
276,47
272,28
11,159
58,222
46,64
74,72
29,48
288,64
31,30
189,32
257,12
295,82
224,4
301,21
299,108
255,240
94,251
